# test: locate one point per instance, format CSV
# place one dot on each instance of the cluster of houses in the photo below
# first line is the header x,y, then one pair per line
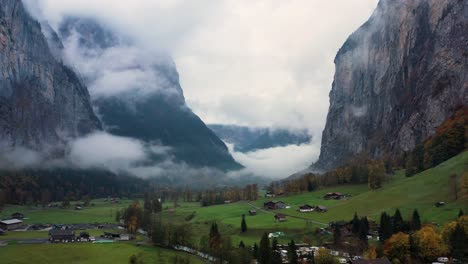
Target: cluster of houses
x,y
304,251
68,235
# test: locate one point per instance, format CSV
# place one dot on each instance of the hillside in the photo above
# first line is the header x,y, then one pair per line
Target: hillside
x,y
398,77
418,192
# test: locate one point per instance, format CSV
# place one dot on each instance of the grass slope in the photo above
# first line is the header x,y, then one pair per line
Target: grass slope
x,y
418,192
87,253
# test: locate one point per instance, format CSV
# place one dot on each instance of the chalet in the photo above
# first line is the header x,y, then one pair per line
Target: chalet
x,y
111,235
306,208
17,215
62,235
10,224
334,196
116,236
371,261
274,205
280,217
320,209
252,212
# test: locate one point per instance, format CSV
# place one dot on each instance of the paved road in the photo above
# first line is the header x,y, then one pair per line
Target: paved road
x,y
26,241
292,216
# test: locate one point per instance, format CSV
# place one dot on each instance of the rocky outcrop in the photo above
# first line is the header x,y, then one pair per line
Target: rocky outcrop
x,y
152,106
42,102
397,78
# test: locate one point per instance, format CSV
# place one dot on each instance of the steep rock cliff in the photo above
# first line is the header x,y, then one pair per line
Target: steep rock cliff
x,y
151,106
397,78
42,102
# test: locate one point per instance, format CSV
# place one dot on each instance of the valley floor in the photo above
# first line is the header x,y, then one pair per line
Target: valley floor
x,y
419,192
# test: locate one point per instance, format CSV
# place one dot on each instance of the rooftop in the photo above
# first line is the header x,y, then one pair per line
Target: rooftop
x,y
11,221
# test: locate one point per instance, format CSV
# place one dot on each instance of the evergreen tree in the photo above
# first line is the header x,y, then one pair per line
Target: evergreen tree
x,y
363,229
292,255
241,244
311,257
356,223
458,242
415,221
243,224
461,213
337,235
385,229
255,251
310,186
275,255
264,250
397,222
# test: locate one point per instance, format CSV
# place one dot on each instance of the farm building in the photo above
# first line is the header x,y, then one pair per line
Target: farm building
x,y
334,196
10,224
270,194
280,218
252,212
17,216
306,208
62,235
274,205
320,209
371,261
117,236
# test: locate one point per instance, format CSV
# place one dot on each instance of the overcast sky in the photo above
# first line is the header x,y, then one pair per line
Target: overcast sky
x,y
247,62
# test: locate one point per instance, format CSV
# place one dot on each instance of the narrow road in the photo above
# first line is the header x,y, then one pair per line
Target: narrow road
x,y
292,216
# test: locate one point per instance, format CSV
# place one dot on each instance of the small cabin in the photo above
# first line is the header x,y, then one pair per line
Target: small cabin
x,y
274,205
280,217
320,209
10,224
439,204
62,235
17,215
306,208
252,212
334,196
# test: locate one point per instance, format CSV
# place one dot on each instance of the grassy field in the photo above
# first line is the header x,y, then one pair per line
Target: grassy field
x,y
101,212
87,253
418,192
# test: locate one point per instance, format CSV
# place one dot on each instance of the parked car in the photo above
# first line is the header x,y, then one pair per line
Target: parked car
x,y
343,261
442,259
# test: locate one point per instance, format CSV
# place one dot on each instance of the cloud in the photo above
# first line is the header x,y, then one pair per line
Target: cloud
x,y
105,150
278,162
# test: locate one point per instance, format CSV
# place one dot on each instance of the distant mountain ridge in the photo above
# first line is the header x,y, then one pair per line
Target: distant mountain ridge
x,y
154,108
398,77
246,139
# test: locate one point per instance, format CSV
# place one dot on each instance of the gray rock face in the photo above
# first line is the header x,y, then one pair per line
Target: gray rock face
x,y
397,78
150,108
42,102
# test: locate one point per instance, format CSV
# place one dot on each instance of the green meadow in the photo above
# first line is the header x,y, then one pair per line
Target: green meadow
x,y
88,253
